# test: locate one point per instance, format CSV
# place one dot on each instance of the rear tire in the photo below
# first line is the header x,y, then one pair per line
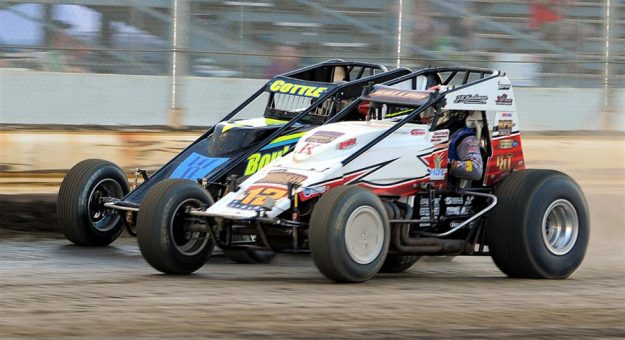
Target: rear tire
x,y
162,227
81,216
398,263
349,234
540,227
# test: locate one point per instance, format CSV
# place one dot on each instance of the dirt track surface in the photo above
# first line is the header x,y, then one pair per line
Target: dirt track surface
x,y
49,288
52,289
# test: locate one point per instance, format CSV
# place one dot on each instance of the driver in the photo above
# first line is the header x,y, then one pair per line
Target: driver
x,y
465,158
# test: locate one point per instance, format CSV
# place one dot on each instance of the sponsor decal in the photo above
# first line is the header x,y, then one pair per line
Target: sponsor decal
x,y
505,144
254,198
323,137
417,132
258,160
282,177
506,114
454,200
471,99
504,162
347,144
438,172
440,136
312,191
297,89
424,202
469,166
504,127
453,211
503,100
307,148
503,86
197,166
426,211
387,94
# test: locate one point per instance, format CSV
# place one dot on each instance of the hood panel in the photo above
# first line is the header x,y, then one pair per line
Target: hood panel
x,y
325,145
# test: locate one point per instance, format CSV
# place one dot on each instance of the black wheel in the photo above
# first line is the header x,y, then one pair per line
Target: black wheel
x,y
398,263
349,234
249,256
80,210
165,232
539,228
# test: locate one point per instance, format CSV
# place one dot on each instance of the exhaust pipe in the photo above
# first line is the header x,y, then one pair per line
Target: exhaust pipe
x,y
404,243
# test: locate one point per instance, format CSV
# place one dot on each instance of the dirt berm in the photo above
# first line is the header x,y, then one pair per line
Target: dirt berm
x,y
34,162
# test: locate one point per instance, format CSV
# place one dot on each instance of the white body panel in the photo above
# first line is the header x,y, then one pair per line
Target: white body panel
x,y
399,159
319,161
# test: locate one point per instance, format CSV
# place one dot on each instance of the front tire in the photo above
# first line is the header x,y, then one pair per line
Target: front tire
x,y
163,227
81,214
349,234
540,226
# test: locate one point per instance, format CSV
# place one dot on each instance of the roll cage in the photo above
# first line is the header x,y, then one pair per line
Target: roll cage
x,y
457,78
314,76
335,93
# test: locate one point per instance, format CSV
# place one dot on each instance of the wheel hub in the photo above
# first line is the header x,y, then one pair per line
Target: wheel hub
x,y
98,216
560,227
364,235
187,242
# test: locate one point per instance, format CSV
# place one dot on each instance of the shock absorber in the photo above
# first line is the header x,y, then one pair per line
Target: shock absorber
x,y
292,190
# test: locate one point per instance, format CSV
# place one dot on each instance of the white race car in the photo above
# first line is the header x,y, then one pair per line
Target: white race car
x,y
376,193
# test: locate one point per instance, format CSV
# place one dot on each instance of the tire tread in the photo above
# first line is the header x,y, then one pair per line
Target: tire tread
x,y
326,252
149,222
506,229
69,210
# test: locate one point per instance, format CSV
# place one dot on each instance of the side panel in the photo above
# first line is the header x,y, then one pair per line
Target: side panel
x,y
396,166
489,95
507,149
195,163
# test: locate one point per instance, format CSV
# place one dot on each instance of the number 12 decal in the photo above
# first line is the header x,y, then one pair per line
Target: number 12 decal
x,y
258,196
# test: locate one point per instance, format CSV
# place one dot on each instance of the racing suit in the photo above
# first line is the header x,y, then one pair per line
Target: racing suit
x,y
464,155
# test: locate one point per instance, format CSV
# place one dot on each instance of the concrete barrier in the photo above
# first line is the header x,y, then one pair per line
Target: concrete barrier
x,y
28,97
